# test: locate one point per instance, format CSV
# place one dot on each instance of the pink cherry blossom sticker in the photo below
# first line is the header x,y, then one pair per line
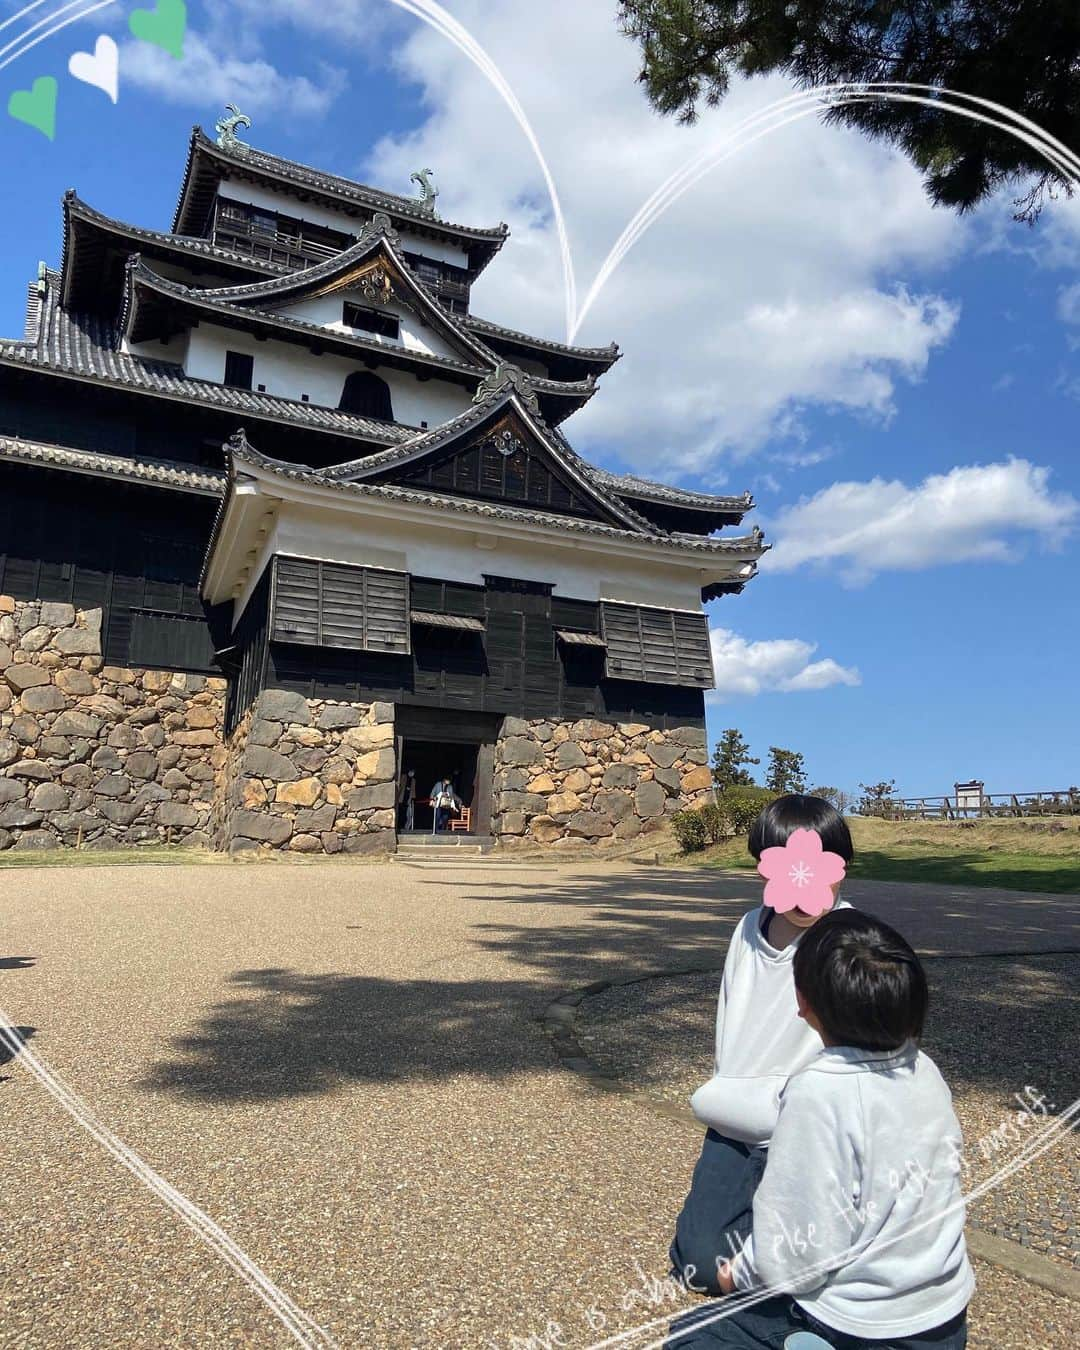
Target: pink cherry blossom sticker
x,y
801,874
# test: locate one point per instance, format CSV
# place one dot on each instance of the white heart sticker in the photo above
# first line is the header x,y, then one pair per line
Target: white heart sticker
x,y
100,68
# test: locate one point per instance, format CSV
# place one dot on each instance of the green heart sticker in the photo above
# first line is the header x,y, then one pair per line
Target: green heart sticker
x,y
164,25
37,106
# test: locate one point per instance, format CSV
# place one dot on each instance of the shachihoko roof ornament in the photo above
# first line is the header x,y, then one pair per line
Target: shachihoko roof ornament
x,y
428,191
226,129
507,376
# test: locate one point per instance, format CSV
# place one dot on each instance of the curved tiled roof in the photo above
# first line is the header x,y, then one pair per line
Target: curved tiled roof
x,y
644,489
501,388
215,301
609,354
154,472
75,207
406,209
87,346
208,301
749,546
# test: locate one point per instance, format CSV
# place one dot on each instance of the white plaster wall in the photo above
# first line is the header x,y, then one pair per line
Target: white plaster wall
x,y
289,371
286,205
175,350
457,555
327,310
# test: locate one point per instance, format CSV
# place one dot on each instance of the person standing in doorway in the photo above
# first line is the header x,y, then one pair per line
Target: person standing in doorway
x,y
407,801
443,800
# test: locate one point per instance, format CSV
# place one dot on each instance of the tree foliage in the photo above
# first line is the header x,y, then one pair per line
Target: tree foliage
x,y
843,801
877,799
787,771
1024,54
729,761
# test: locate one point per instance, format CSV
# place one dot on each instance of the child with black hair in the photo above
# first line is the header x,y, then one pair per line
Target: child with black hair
x,y
760,1043
858,1222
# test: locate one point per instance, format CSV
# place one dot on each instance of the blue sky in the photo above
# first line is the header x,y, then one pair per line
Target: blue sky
x,y
900,389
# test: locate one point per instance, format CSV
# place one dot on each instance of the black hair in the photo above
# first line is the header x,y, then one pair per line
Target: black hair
x,y
796,811
862,980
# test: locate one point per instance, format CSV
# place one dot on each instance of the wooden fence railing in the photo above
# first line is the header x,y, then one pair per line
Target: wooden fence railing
x,y
1065,802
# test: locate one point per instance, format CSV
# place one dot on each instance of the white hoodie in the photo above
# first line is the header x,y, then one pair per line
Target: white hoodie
x,y
860,1214
760,1038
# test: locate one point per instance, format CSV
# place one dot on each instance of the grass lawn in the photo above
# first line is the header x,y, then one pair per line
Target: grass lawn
x,y
1019,854
88,857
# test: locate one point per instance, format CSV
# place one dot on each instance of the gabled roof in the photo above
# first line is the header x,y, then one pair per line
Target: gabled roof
x,y
153,305
87,347
506,388
378,243
208,163
239,452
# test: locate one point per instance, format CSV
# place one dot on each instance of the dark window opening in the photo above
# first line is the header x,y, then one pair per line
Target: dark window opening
x,y
239,370
365,395
263,222
371,321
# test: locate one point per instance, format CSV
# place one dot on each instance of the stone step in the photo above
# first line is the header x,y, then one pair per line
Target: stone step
x,y
429,841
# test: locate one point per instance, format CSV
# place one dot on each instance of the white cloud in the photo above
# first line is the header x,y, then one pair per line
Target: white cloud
x,y
772,288
745,669
977,513
1069,303
206,79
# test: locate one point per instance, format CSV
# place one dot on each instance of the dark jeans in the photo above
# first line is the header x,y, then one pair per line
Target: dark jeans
x,y
717,1214
767,1326
442,815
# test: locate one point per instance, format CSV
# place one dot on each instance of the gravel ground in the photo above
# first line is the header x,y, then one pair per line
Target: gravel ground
x,y
345,1069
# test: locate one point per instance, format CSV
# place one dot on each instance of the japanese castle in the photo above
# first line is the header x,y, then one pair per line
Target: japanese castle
x,y
289,534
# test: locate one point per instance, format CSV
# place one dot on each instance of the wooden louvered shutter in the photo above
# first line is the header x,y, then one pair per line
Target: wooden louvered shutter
x,y
657,646
325,604
296,601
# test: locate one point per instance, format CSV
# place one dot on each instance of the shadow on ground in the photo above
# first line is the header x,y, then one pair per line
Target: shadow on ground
x,y
289,1034
279,1033
6,1056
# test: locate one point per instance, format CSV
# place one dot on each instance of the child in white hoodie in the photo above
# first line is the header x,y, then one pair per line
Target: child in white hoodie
x,y
760,1042
858,1222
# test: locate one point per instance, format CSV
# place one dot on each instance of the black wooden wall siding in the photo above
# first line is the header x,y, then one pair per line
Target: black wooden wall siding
x,y
515,667
245,662
114,421
133,552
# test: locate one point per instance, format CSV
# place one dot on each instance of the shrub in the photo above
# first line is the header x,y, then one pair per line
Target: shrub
x,y
742,805
715,822
689,830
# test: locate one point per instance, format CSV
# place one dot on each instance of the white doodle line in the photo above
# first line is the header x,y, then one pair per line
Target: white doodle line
x,y
56,27
775,116
797,106
1039,1144
303,1328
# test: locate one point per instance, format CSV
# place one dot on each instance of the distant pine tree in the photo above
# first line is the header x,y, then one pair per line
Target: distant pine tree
x,y
732,754
787,771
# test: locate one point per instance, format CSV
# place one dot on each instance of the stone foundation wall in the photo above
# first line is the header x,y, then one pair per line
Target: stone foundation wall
x,y
109,758
93,754
593,782
310,776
